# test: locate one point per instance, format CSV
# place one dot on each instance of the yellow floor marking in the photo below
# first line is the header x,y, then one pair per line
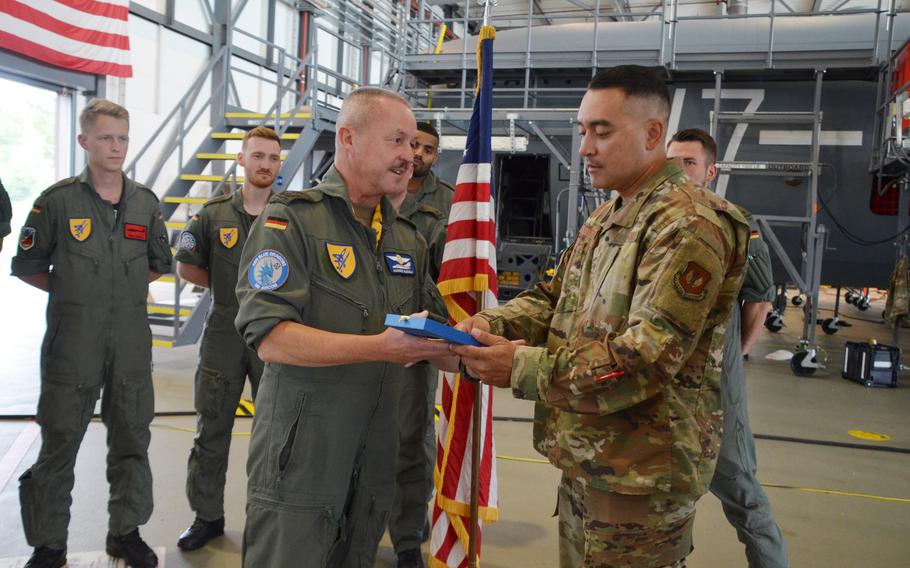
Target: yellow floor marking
x,y
871,436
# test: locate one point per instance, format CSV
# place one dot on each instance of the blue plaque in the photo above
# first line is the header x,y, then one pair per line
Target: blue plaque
x,y
430,329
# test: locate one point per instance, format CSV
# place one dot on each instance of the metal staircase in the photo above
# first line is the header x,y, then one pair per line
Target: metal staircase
x,y
195,168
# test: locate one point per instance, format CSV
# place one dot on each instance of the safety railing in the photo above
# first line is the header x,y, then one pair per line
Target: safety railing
x,y
665,42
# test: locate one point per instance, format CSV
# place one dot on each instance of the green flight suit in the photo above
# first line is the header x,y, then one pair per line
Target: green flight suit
x,y
436,193
735,483
214,240
98,339
325,439
417,433
6,212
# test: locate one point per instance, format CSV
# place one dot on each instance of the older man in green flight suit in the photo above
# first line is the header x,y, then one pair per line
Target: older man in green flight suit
x,y
320,271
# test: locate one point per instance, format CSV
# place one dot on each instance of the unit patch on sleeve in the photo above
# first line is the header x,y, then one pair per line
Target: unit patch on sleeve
x,y
268,270
691,282
80,229
27,238
228,236
135,232
188,241
400,263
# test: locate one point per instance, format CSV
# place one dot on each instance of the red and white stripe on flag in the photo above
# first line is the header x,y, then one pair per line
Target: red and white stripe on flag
x,y
90,36
467,282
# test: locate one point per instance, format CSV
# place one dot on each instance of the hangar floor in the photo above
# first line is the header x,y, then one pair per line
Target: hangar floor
x,y
838,507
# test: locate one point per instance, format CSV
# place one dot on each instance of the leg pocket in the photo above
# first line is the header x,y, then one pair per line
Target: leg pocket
x,y
210,388
289,438
282,535
28,505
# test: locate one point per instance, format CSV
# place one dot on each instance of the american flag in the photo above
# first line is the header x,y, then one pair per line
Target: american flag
x,y
90,36
467,281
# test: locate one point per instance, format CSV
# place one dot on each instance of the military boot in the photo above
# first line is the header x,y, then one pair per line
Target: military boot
x,y
45,557
133,549
411,558
200,533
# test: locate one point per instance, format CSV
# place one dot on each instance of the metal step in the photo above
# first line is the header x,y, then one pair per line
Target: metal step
x,y
240,135
786,169
204,177
196,200
164,341
768,117
204,156
168,310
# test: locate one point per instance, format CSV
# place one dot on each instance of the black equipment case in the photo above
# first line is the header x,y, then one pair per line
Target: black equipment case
x,y
871,364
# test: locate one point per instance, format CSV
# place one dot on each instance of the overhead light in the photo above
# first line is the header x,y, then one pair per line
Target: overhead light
x,y
499,143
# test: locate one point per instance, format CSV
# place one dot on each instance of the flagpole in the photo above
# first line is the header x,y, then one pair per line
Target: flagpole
x,y
478,408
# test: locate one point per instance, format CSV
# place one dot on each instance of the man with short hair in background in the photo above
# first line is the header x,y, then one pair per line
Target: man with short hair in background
x,y
209,256
424,185
94,242
735,482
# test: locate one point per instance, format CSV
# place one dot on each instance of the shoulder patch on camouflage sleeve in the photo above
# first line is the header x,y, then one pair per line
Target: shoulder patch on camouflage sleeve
x,y
692,281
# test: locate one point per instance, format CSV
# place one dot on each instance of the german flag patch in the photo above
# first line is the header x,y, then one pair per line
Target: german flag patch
x,y
276,223
36,209
754,235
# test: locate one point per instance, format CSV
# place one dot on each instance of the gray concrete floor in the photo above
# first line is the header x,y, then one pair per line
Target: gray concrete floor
x,y
822,529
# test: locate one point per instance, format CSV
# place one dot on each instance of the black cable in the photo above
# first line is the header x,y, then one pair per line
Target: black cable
x,y
850,235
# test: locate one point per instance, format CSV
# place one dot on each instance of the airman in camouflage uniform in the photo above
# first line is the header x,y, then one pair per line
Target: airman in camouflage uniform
x,y
735,480
624,344
897,305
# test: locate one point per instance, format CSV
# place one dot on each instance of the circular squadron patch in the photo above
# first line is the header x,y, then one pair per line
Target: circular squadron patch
x,y
188,241
268,271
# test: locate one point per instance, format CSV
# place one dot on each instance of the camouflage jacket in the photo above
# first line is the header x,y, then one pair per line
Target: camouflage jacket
x,y
625,342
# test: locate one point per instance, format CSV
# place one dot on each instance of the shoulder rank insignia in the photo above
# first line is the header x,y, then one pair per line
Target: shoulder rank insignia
x,y
342,258
228,236
400,263
692,281
80,229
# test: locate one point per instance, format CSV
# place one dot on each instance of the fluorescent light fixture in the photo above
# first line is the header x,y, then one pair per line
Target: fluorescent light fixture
x,y
499,143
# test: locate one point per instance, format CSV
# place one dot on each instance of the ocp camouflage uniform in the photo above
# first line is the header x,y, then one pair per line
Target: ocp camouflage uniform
x,y
735,482
436,193
623,361
417,435
213,240
898,303
325,439
98,339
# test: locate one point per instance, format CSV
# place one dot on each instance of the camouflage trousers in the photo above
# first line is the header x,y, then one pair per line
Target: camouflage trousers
x,y
601,529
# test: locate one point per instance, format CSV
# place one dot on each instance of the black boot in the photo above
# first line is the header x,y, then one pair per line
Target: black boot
x,y
133,549
45,557
411,559
200,533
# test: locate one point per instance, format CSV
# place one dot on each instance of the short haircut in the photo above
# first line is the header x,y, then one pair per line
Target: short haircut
x,y
698,135
361,104
636,82
428,128
261,132
97,107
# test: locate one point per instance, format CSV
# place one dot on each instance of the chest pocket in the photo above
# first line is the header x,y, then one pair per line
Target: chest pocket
x,y
80,261
334,306
227,244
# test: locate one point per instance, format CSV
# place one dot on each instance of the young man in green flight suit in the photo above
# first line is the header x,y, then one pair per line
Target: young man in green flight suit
x,y
94,242
424,185
409,520
735,483
622,344
209,256
320,271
